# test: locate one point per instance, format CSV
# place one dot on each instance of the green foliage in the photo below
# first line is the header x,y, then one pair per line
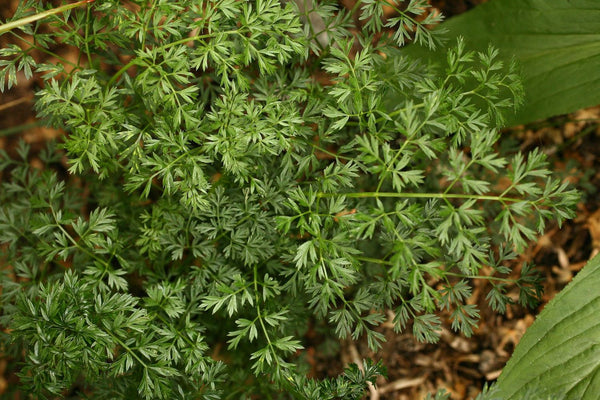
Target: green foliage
x,y
555,44
492,393
238,172
348,386
558,356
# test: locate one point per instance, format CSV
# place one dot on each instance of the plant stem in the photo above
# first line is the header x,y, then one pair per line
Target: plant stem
x,y
18,129
421,196
15,103
32,18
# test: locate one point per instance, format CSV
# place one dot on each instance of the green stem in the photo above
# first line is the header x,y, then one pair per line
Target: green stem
x,y
489,278
45,51
420,196
20,128
460,175
390,166
398,111
32,18
446,273
75,243
181,335
134,61
147,23
121,71
373,260
260,319
87,45
330,153
128,349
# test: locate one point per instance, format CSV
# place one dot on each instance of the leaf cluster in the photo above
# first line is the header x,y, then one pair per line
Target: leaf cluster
x,y
239,171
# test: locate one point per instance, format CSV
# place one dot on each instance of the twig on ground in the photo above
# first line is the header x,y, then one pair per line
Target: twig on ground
x,y
400,384
15,103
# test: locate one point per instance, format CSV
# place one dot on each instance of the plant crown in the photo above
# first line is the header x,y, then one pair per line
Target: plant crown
x,y
237,175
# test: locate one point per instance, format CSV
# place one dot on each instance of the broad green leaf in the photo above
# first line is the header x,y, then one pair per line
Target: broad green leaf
x,y
556,43
559,355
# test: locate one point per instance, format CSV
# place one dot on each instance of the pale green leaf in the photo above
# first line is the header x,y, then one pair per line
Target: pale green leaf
x,y
560,352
